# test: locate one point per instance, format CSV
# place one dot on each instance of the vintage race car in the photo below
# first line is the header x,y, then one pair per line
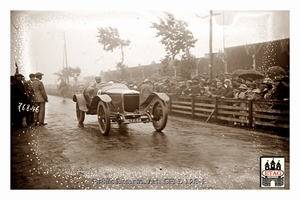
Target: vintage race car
x,y
116,103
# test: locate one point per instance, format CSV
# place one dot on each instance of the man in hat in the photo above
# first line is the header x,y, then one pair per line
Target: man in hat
x,y
253,92
221,91
280,90
91,91
229,88
18,98
265,88
30,94
40,98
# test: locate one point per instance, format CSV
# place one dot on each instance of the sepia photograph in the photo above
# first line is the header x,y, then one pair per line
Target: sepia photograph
x,y
149,99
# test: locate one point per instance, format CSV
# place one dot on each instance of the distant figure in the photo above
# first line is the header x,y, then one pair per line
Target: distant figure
x,y
63,88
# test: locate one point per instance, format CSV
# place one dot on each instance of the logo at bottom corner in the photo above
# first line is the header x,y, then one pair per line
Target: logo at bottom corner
x,y
272,171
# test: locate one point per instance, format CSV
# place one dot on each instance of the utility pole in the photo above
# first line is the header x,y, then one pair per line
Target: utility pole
x,y
210,47
225,54
65,50
65,57
210,66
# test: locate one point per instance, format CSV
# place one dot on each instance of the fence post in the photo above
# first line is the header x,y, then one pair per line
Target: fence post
x,y
216,109
193,106
250,113
170,104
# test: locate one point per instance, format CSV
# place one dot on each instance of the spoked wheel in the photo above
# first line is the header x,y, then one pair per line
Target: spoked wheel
x,y
103,114
79,114
160,114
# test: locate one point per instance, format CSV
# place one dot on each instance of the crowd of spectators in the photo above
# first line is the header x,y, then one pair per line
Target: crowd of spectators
x,y
28,99
274,85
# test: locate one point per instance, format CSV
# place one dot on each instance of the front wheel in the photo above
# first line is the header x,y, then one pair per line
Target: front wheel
x,y
79,114
160,114
103,114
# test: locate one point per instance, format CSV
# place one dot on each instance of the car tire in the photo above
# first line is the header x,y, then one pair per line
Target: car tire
x,y
79,114
103,114
159,112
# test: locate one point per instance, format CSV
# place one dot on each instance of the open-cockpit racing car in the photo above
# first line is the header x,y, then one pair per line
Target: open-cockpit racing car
x,y
116,103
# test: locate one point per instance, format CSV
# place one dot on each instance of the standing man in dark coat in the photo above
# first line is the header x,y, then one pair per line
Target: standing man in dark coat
x,y
18,98
30,94
40,98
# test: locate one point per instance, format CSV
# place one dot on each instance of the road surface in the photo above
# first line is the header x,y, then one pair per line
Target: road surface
x,y
188,154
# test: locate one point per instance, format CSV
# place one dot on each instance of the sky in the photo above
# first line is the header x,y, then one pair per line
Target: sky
x,y
38,36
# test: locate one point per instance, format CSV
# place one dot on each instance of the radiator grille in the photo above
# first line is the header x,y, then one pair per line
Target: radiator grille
x,y
131,102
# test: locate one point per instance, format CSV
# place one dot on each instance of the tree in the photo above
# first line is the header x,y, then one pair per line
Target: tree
x,y
175,37
186,66
110,39
67,72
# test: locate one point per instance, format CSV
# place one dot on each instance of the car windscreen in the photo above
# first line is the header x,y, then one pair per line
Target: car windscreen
x,y
109,86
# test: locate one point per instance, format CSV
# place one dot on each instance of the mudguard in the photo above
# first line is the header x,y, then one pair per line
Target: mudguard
x,y
79,98
152,96
101,97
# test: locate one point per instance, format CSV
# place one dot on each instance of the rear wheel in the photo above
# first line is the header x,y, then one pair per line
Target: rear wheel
x,y
79,114
103,114
160,114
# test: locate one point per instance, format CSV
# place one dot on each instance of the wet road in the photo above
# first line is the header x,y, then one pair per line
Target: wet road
x,y
186,155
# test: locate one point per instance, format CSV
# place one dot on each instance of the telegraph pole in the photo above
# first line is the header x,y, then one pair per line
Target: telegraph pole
x,y
65,57
65,50
225,54
210,47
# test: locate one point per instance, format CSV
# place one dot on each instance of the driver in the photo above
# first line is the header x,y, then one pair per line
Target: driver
x,y
92,89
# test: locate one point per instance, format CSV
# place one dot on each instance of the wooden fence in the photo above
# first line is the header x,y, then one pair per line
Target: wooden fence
x,y
251,113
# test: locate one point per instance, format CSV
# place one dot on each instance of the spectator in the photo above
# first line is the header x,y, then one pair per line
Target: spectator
x,y
189,85
248,81
253,92
221,91
204,92
280,90
63,88
242,95
30,94
172,89
40,98
18,98
195,89
229,88
265,88
181,88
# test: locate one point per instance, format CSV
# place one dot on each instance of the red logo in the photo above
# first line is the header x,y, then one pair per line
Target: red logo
x,y
273,173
